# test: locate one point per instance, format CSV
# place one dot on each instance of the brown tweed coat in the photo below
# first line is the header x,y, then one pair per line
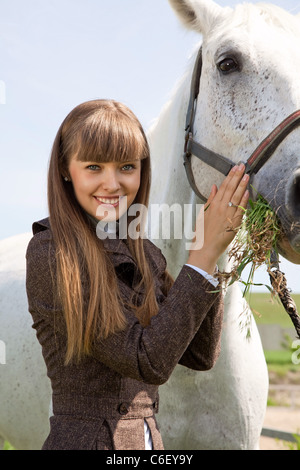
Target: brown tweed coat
x,y
102,402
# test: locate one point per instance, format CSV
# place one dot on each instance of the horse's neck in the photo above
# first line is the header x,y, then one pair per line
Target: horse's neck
x,y
166,139
170,185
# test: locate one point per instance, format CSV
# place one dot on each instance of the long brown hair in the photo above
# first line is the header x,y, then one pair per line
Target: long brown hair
x,y
99,130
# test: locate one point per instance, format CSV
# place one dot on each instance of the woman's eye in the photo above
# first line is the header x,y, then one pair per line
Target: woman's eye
x,y
128,167
228,65
93,167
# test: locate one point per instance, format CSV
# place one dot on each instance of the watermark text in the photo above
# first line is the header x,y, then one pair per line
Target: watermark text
x,y
2,353
156,222
296,354
2,92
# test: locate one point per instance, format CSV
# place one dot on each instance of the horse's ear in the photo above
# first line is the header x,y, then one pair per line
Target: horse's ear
x,y
198,15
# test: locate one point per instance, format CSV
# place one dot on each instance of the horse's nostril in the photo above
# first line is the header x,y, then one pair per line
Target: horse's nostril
x,y
293,195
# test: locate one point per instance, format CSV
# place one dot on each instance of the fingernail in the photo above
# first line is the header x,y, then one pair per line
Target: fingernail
x,y
241,167
245,178
234,169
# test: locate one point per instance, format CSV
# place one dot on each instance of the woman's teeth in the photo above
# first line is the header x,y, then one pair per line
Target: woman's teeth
x,y
108,201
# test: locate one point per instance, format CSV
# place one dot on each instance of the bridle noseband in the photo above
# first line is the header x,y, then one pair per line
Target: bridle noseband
x,y
220,163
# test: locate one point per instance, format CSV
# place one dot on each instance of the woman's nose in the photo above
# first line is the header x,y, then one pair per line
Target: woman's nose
x,y
110,180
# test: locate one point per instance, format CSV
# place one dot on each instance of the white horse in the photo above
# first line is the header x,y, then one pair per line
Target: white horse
x,y
223,408
249,84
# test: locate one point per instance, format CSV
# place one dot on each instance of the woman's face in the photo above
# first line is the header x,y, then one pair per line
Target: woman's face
x,y
105,189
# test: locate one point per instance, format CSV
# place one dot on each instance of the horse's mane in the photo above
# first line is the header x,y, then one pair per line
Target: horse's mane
x,y
246,13
280,17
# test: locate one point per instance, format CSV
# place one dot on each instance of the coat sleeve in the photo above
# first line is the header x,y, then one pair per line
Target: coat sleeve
x,y
146,354
204,350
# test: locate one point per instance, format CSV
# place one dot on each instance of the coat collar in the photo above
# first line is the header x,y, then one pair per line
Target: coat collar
x,y
114,246
119,250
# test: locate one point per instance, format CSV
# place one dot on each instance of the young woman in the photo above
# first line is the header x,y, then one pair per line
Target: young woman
x,y
111,322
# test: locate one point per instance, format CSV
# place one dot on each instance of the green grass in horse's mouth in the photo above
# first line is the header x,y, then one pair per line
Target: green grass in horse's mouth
x,y
256,239
255,244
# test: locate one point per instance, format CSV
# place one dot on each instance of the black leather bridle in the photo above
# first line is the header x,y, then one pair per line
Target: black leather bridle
x,y
220,163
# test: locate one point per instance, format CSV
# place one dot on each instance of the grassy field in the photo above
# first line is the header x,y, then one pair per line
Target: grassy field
x,y
270,311
7,446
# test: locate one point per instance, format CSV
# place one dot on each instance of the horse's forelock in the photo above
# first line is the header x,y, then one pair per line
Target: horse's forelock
x,y
244,16
279,17
271,14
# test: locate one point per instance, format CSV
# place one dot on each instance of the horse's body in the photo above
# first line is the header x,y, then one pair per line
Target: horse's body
x,y
234,113
223,408
24,387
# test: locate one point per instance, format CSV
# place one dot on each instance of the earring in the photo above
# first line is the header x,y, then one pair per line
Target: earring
x,y
66,178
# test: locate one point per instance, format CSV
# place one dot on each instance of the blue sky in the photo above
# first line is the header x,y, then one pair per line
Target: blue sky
x,y
58,53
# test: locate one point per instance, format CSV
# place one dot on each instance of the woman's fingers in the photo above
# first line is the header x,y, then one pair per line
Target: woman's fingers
x,y
212,195
231,183
227,181
232,199
221,217
229,197
241,207
238,194
238,200
244,202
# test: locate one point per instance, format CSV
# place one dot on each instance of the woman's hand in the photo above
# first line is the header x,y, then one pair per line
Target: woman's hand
x,y
222,215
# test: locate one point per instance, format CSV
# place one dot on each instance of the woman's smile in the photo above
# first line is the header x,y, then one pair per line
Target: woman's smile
x,y
109,201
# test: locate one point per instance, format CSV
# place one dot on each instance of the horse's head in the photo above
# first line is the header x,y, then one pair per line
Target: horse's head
x,y
249,85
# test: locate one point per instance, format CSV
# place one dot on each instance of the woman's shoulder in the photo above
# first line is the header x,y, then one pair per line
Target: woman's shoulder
x,y
40,267
41,226
42,241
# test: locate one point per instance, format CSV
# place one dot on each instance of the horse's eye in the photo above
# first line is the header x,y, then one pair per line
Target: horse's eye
x,y
228,65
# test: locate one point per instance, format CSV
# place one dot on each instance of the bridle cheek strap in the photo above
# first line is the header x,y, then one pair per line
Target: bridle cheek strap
x,y
220,163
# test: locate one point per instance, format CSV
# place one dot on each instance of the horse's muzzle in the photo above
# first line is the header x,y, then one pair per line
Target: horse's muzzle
x,y
293,197
290,214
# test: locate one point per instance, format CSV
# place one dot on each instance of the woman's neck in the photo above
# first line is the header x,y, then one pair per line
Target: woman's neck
x,y
107,227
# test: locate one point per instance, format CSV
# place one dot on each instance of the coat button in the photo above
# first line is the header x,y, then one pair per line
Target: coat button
x,y
123,409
